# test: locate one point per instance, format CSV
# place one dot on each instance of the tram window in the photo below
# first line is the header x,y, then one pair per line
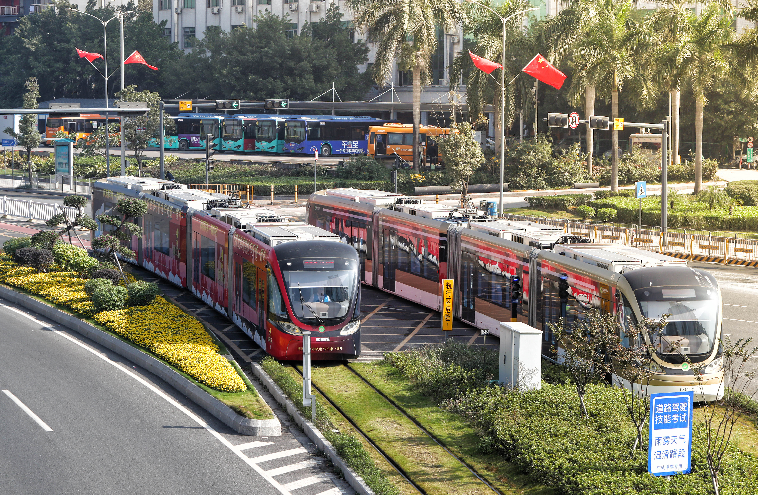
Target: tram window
x,y
249,282
160,229
369,241
207,257
275,301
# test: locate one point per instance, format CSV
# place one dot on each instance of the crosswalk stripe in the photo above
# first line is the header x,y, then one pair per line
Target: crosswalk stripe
x,y
278,455
292,467
311,480
333,491
252,445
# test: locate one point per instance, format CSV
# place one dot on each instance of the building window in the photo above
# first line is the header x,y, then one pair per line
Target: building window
x,y
189,4
164,5
213,3
350,26
290,1
238,2
189,37
237,26
291,32
167,33
264,2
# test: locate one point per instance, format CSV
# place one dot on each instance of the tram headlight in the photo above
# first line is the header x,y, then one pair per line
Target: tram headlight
x,y
288,327
350,328
714,366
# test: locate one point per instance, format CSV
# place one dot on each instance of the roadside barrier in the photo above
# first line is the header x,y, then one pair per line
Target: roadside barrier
x,y
34,210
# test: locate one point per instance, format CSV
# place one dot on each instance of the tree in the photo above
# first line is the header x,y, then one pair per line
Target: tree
x,y
139,130
113,244
81,220
710,32
28,136
405,31
463,156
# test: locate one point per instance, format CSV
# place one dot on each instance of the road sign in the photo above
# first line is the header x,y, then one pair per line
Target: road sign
x,y
669,450
9,142
185,105
618,124
448,285
640,189
749,157
573,120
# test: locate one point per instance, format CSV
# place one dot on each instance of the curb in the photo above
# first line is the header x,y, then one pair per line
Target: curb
x,y
355,481
222,412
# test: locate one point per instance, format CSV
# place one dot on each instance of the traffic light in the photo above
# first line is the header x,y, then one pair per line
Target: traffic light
x,y
564,289
227,104
598,122
516,290
557,120
209,151
277,103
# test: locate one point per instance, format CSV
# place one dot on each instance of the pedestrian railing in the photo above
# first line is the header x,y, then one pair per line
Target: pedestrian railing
x,y
34,210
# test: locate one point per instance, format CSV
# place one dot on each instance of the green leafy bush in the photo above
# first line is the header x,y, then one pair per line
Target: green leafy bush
x,y
106,273
38,258
73,258
142,293
585,211
45,239
93,284
744,192
11,245
558,202
107,296
607,193
606,214
364,168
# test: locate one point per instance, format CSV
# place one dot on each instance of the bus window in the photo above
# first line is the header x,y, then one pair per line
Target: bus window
x,y
357,134
394,139
314,131
294,132
210,127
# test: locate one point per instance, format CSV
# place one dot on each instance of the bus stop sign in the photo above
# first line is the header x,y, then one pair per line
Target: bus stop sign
x,y
669,450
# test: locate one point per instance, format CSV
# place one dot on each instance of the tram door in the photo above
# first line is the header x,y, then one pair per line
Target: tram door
x,y
468,290
262,302
389,258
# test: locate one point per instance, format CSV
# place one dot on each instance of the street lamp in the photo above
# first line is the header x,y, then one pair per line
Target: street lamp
x,y
502,93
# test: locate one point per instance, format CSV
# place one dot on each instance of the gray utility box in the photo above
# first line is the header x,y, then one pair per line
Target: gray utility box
x,y
520,356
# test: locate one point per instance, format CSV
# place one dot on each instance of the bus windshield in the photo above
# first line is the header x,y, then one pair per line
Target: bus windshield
x,y
320,295
266,131
294,132
691,322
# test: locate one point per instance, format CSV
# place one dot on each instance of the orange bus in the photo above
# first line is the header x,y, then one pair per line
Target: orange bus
x,y
78,127
397,140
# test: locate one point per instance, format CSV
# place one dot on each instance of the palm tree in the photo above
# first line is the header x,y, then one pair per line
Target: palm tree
x,y
709,34
405,31
604,56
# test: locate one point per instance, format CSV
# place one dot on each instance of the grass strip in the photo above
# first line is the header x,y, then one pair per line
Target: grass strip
x,y
422,459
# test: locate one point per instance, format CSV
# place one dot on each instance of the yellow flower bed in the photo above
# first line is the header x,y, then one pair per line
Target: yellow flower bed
x,y
162,328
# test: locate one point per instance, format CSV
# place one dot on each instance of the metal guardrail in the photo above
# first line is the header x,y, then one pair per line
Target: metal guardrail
x,y
681,243
34,210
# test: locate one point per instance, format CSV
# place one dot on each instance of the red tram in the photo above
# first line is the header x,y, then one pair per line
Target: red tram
x,y
274,278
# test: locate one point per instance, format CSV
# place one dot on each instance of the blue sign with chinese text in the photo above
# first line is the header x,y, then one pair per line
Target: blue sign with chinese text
x,y
670,448
9,142
640,189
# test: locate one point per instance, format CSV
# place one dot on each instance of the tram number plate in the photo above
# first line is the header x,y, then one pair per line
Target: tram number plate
x,y
322,339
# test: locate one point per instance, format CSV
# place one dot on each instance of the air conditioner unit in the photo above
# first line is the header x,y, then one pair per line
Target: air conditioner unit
x,y
315,7
215,10
293,7
239,9
178,10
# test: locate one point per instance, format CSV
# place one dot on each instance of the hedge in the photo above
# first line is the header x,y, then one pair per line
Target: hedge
x,y
745,192
559,202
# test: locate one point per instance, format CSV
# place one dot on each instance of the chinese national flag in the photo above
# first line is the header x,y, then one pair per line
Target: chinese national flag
x,y
136,58
545,72
482,63
89,56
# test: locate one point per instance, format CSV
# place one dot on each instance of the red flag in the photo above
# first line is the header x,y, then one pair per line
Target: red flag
x,y
545,72
482,63
136,58
89,56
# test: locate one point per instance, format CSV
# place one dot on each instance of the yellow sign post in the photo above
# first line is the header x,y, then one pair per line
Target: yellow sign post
x,y
618,124
185,105
447,304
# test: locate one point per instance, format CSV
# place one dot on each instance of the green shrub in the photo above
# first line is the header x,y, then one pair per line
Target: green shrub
x,y
363,168
142,293
108,297
45,239
558,202
74,258
38,258
606,214
585,211
11,245
106,273
744,192
607,193
93,284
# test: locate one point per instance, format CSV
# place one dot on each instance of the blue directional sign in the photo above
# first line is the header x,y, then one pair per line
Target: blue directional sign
x,y
669,451
9,142
640,189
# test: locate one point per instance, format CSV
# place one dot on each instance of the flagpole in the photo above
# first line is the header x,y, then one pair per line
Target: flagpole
x,y
121,119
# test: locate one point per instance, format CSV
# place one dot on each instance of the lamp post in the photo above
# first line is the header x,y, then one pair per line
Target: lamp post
x,y
502,93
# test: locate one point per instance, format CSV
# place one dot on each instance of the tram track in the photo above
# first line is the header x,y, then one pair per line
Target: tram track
x,y
399,409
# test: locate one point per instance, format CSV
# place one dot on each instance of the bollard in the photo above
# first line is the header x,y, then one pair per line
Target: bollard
x,y
437,199
272,194
248,193
295,193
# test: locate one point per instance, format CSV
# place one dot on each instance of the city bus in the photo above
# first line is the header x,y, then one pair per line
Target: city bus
x,y
328,135
253,133
191,132
390,140
78,127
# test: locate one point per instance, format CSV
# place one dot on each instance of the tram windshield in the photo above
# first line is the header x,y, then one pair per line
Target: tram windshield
x,y
320,295
692,318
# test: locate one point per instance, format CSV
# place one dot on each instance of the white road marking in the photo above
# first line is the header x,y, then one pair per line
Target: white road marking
x,y
311,480
333,491
27,410
278,455
292,467
164,396
252,445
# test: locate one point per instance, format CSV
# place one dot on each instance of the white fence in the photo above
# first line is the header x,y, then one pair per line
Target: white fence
x,y
33,210
690,245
